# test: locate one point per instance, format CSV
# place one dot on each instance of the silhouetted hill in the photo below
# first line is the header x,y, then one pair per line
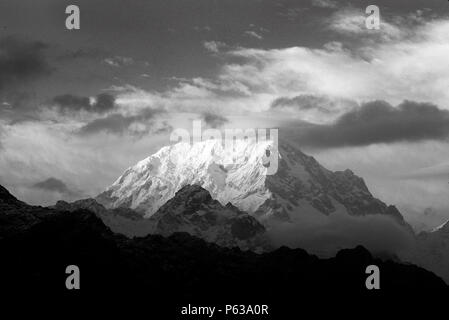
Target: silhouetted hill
x,y
193,210
181,268
16,216
6,197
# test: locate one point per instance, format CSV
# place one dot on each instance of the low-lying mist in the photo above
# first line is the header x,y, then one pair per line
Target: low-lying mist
x,y
326,236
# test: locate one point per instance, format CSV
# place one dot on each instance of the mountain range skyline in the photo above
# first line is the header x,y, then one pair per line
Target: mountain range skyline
x,y
80,106
193,188
148,268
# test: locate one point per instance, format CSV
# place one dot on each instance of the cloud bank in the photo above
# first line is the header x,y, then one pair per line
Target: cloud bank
x,y
117,123
326,236
53,185
380,122
102,103
342,74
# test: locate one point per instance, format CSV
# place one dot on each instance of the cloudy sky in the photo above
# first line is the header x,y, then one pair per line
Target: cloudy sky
x,y
77,107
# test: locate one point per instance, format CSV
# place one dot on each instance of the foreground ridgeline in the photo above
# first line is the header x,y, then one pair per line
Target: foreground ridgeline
x,y
38,244
191,210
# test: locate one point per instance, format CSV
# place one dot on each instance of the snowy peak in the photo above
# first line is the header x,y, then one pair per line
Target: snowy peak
x,y
239,176
226,175
303,185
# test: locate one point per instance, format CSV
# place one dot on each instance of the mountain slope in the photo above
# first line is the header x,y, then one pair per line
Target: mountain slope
x,y
431,251
121,220
16,216
300,185
193,210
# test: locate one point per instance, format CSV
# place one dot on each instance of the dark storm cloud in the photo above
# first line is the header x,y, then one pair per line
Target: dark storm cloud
x,y
308,102
54,185
21,60
214,120
114,123
104,102
117,123
380,122
171,39
71,102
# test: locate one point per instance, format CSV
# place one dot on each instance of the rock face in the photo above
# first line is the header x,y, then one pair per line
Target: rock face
x,y
16,216
7,198
193,210
431,251
300,184
121,220
181,267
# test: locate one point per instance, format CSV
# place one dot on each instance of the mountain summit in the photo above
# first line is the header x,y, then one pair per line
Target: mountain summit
x,y
193,210
7,198
300,185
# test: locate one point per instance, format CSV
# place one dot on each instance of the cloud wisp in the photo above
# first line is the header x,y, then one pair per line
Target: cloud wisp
x,y
54,185
118,123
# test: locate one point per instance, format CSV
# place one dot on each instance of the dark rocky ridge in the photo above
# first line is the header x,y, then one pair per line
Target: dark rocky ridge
x,y
191,210
120,220
16,216
180,267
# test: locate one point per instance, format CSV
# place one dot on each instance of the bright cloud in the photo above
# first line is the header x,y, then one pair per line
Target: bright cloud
x,y
412,65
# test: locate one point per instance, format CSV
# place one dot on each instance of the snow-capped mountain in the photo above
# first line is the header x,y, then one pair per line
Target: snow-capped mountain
x,y
240,177
153,181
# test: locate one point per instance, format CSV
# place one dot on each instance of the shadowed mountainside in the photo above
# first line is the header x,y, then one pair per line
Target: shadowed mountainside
x,y
179,267
191,210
